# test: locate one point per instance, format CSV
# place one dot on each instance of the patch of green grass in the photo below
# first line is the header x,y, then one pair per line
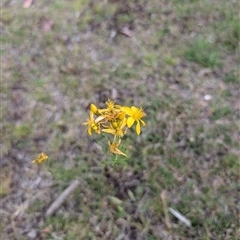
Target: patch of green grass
x,y
232,77
39,82
150,59
36,206
22,131
162,33
123,72
175,162
203,52
233,30
191,8
231,161
67,227
197,145
163,177
66,175
228,29
80,4
167,176
63,174
220,112
171,61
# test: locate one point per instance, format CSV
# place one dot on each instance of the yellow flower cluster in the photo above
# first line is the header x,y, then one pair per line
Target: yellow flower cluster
x,y
41,158
115,120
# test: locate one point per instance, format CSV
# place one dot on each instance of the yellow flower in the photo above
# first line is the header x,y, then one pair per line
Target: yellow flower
x,y
111,107
116,128
41,158
135,114
114,119
93,124
113,148
113,116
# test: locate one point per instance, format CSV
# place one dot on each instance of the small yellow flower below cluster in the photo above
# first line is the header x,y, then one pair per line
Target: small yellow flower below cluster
x,y
114,120
41,158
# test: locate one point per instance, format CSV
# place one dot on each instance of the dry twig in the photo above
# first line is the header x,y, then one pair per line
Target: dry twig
x,y
59,201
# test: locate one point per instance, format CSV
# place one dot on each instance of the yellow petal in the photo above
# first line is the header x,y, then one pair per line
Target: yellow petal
x,y
127,110
143,123
89,130
134,109
130,122
123,123
109,131
138,129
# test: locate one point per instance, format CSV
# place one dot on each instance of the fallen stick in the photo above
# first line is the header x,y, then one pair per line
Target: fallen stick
x,y
180,217
59,201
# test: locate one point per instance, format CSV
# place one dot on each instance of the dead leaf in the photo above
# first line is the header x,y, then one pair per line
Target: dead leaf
x,y
27,3
126,31
47,229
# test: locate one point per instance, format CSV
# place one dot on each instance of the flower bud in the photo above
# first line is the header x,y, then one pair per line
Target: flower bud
x,y
93,108
115,125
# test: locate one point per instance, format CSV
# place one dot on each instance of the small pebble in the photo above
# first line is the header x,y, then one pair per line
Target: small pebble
x,y
32,234
207,97
192,139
